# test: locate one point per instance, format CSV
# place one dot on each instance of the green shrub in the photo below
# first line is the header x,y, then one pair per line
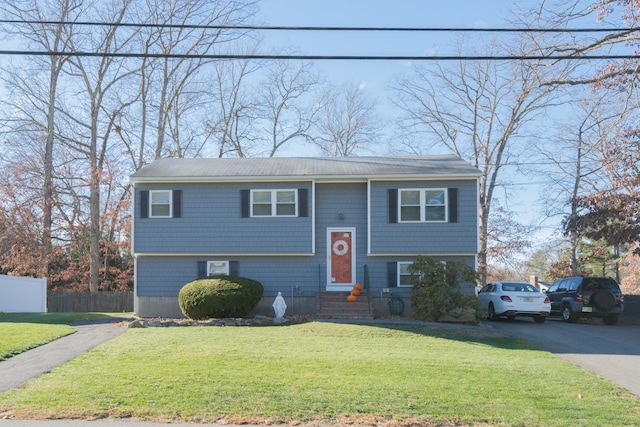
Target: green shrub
x,y
436,288
219,297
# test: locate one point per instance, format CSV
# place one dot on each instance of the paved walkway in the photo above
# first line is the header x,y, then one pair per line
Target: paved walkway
x,y
19,369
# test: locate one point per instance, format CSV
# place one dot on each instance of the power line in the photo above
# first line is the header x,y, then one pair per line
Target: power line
x,y
317,57
325,28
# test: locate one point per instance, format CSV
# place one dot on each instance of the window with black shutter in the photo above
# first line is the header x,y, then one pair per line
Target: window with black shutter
x,y
144,204
392,274
274,203
415,205
160,203
393,205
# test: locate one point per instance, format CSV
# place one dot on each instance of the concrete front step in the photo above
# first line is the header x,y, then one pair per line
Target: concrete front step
x,y
335,305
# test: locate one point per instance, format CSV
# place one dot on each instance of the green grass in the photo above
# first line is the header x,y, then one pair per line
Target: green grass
x,y
21,331
343,373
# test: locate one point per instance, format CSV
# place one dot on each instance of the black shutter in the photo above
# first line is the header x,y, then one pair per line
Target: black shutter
x,y
144,204
453,205
392,274
303,202
234,268
202,269
244,203
393,205
177,203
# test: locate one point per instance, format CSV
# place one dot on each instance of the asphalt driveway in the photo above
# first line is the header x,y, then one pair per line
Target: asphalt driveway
x,y
612,352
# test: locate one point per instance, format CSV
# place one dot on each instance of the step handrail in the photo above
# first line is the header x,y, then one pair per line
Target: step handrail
x,y
367,285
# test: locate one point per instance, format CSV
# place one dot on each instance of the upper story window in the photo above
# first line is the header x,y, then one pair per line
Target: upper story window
x,y
274,202
423,205
160,203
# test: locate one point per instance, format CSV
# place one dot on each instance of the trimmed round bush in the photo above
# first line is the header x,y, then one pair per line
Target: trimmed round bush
x,y
219,297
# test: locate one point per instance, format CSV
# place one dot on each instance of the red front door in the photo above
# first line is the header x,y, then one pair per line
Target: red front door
x,y
341,249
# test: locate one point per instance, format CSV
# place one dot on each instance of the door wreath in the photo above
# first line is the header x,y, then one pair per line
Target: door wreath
x,y
340,247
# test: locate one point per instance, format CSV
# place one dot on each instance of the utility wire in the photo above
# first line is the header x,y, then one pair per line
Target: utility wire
x,y
322,57
317,57
323,28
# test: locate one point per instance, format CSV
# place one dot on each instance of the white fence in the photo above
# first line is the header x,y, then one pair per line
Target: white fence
x,y
22,294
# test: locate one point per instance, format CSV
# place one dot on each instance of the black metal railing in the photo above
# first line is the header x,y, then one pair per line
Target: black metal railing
x,y
367,284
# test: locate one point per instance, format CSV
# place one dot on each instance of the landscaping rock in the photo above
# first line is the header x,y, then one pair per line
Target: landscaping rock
x,y
233,321
135,324
467,315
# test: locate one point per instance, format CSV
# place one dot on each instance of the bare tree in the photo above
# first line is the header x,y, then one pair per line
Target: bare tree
x,y
347,122
612,14
232,123
577,158
286,114
37,108
260,108
101,101
188,27
478,110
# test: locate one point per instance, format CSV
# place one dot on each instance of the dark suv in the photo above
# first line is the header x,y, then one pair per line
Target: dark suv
x,y
576,297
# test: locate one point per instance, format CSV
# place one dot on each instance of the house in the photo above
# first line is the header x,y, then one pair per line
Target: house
x,y
300,226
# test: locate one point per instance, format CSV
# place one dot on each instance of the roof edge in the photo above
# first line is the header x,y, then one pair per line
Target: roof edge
x,y
289,178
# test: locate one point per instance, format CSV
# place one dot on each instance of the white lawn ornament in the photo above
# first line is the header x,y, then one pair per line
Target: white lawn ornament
x,y
279,306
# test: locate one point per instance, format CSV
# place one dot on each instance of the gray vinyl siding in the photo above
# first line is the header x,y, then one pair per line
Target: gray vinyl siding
x,y
424,238
164,276
350,199
211,222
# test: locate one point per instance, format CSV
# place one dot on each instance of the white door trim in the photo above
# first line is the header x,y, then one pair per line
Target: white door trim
x,y
347,286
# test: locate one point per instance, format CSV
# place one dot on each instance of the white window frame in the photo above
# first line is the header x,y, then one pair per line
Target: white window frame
x,y
398,272
424,205
151,204
274,203
210,273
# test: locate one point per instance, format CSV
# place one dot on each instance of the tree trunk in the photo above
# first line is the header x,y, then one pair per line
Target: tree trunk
x,y
483,242
94,205
47,184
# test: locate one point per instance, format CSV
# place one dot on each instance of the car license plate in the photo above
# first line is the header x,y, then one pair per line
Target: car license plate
x,y
527,299
587,309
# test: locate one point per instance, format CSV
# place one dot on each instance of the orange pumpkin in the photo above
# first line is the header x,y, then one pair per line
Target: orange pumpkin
x,y
352,298
355,292
357,286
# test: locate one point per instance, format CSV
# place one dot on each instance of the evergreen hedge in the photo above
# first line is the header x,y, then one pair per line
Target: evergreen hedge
x,y
219,297
436,288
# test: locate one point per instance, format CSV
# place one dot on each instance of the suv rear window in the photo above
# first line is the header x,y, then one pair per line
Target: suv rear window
x,y
593,283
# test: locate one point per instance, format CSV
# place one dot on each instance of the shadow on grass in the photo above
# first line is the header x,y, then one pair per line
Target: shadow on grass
x,y
59,318
476,334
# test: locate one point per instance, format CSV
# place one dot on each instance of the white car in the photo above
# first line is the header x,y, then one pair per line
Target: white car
x,y
513,299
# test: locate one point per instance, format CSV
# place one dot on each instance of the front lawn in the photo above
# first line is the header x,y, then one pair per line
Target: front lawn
x,y
340,373
22,331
